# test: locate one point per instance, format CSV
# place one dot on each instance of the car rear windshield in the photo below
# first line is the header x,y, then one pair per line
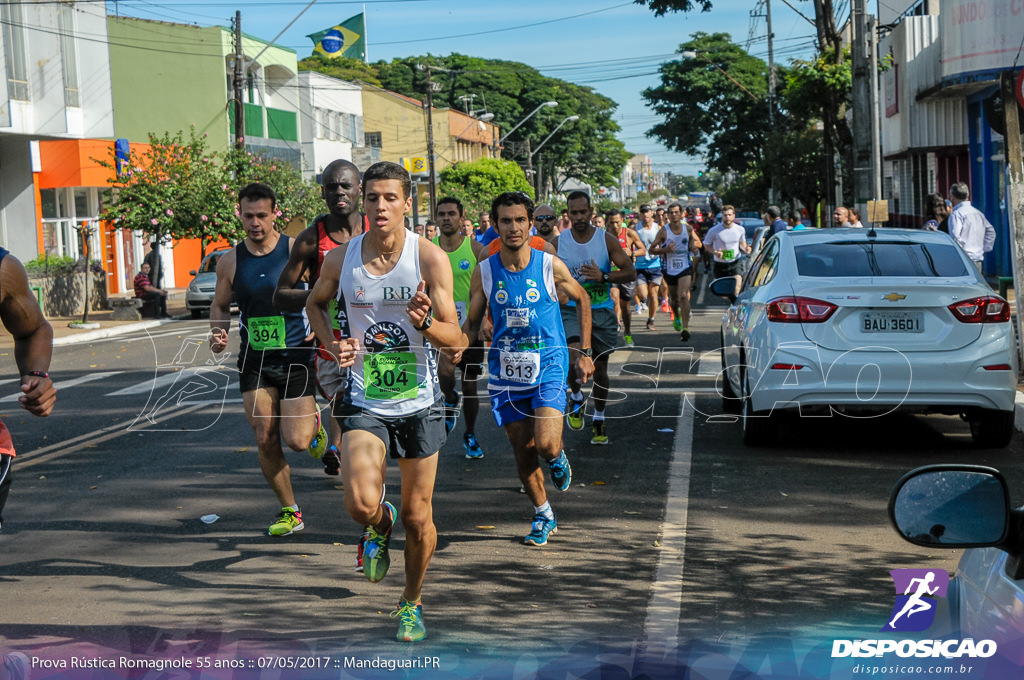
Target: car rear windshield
x,y
880,258
211,264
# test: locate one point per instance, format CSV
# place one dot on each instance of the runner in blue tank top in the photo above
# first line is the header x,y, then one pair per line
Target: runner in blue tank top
x,y
528,358
275,363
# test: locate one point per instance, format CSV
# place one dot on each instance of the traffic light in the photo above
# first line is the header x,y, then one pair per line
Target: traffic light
x,y
700,173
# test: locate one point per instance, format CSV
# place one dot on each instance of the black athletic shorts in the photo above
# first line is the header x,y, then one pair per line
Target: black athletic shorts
x,y
734,268
418,435
291,381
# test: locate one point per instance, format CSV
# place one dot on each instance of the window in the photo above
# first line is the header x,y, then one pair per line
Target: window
x,y
14,51
374,139
880,258
68,58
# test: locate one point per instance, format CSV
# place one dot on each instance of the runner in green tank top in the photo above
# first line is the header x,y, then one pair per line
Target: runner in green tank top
x,y
463,253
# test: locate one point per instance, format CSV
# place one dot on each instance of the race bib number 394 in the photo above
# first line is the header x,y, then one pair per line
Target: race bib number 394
x,y
390,375
266,332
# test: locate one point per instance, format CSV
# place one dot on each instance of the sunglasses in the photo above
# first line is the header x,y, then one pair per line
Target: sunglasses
x,y
544,218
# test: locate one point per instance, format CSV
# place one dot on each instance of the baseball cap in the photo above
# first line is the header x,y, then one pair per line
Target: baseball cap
x,y
644,207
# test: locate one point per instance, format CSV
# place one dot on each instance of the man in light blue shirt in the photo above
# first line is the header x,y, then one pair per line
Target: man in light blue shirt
x,y
969,226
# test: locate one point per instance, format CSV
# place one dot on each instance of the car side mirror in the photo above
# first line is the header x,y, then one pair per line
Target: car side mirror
x,y
192,272
725,286
951,506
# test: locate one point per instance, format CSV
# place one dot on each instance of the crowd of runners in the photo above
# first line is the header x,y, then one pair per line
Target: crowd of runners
x,y
399,329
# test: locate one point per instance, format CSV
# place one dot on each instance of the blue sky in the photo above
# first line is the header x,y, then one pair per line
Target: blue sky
x,y
613,46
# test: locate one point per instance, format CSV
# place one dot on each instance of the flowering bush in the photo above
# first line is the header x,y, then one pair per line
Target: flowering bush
x,y
178,188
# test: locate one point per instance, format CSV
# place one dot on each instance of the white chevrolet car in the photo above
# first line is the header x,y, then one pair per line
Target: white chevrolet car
x,y
867,322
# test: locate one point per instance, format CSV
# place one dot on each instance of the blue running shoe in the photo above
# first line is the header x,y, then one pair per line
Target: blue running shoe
x,y
451,414
539,531
376,559
472,446
561,473
410,617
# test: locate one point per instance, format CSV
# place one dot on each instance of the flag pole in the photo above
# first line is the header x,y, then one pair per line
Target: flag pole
x,y
366,41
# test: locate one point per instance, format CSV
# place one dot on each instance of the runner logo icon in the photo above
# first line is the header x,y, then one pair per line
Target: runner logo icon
x,y
917,591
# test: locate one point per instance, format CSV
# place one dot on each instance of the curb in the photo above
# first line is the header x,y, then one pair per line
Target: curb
x,y
1018,411
119,330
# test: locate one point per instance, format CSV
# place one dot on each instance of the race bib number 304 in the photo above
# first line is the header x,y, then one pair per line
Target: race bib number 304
x,y
390,375
520,367
266,332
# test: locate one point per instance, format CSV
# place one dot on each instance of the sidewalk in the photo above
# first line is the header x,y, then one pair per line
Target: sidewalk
x,y
108,327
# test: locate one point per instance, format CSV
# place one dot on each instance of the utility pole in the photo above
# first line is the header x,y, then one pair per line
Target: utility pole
x,y
431,180
876,113
529,167
862,109
239,72
771,89
1015,166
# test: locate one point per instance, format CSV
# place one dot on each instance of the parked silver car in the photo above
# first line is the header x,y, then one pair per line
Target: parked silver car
x,y
199,295
968,506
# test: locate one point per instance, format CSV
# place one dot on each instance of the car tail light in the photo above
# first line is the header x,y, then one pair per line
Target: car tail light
x,y
997,367
986,309
787,367
799,310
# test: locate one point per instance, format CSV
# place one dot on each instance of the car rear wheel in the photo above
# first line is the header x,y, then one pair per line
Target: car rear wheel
x,y
991,429
760,428
197,313
730,400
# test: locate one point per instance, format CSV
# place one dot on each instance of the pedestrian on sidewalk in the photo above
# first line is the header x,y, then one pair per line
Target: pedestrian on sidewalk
x,y
147,292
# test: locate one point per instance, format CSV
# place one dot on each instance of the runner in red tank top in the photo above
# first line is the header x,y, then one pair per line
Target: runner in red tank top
x,y
340,190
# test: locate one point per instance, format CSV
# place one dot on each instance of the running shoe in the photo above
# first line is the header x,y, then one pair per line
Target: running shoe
x,y
561,472
677,324
574,414
451,414
684,335
376,559
599,438
361,543
410,621
472,446
332,461
319,443
629,340
650,324
539,531
288,522
665,308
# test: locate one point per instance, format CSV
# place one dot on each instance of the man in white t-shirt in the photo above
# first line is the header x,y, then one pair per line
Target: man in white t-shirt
x,y
727,242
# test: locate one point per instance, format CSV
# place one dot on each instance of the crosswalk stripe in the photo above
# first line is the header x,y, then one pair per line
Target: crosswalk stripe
x,y
148,386
64,384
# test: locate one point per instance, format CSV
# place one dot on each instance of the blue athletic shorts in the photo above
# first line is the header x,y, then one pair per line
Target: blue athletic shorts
x,y
509,407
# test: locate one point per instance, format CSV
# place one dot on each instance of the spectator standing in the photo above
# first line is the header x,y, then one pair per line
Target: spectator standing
x,y
777,223
937,211
969,226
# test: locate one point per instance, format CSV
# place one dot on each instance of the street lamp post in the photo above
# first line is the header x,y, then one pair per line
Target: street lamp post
x,y
529,157
528,117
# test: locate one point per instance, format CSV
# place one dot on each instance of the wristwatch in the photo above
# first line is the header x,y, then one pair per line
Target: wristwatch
x,y
606,277
427,320
589,351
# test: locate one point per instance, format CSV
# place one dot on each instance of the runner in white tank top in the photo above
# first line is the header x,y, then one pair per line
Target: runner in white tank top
x,y
397,288
675,243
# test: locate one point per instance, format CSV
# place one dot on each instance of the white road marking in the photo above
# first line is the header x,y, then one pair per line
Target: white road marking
x,y
64,384
661,627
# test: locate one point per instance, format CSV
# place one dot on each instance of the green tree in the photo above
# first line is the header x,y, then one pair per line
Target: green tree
x,y
585,149
177,188
341,68
477,183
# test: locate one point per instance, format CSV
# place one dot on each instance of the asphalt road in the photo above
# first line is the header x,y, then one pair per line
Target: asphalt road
x,y
675,532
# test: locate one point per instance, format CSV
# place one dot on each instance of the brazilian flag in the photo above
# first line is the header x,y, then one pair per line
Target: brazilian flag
x,y
347,39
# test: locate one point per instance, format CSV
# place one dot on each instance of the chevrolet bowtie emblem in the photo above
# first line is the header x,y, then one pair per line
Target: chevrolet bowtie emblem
x,y
893,297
